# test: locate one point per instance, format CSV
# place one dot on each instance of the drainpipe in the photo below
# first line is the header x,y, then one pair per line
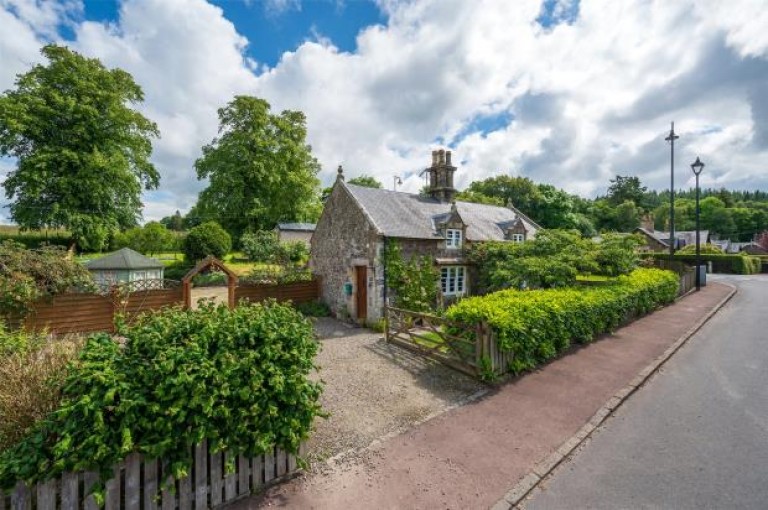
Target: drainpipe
x,y
384,276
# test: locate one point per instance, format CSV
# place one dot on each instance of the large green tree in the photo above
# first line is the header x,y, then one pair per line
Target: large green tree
x,y
82,152
626,188
260,169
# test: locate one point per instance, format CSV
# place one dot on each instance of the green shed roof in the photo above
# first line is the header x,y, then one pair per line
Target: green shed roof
x,y
125,258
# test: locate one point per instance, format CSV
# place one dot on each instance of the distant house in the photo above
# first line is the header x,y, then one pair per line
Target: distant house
x,y
125,265
295,232
356,223
659,241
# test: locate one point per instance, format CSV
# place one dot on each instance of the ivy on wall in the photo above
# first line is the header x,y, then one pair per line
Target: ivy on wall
x,y
412,282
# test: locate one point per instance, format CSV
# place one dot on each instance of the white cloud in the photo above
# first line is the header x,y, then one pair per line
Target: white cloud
x,y
587,99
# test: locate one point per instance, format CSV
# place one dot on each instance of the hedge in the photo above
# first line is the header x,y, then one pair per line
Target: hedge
x,y
238,378
34,240
537,325
721,263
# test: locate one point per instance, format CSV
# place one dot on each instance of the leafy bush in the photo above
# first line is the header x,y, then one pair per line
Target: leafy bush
x,y
552,259
32,372
150,239
721,263
207,239
260,246
413,282
616,254
313,309
537,325
295,252
177,270
238,378
28,275
264,246
278,274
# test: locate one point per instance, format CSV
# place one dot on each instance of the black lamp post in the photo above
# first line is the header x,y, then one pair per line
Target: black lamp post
x,y
397,181
697,167
671,139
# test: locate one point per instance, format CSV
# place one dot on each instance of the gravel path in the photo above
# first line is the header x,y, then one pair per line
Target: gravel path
x,y
217,294
373,389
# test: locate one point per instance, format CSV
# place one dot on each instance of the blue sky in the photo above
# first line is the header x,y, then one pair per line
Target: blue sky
x,y
567,92
276,27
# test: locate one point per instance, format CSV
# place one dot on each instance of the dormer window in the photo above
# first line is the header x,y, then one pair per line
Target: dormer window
x,y
453,238
518,238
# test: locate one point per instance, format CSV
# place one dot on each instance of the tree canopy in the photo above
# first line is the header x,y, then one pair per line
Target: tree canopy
x,y
82,152
366,180
260,169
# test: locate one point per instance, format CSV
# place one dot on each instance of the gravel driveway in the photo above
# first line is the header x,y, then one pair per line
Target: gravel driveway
x,y
373,389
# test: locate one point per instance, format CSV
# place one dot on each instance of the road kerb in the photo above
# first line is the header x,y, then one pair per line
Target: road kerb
x,y
524,487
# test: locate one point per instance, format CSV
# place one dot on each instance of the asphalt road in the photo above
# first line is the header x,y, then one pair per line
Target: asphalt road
x,y
696,436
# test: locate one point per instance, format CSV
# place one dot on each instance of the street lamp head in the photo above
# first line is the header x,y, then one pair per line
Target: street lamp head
x,y
398,180
697,166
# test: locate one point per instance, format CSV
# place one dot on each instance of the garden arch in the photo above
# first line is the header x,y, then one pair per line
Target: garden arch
x,y
207,263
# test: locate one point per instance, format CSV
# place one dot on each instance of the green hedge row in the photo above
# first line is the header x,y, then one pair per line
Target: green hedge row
x,y
537,325
721,263
238,378
34,240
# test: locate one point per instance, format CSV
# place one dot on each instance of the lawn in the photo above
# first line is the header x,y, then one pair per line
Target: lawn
x,y
236,261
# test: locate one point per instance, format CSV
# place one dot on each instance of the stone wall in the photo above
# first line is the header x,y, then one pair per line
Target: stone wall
x,y
294,235
343,239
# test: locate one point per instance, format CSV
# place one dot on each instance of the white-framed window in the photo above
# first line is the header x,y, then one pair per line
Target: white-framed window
x,y
138,275
453,280
453,238
518,238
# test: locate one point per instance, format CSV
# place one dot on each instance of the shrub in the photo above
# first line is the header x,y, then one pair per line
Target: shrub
x,y
721,263
537,325
295,252
261,246
616,254
238,378
177,270
28,275
207,239
413,282
32,372
313,309
150,239
552,259
704,248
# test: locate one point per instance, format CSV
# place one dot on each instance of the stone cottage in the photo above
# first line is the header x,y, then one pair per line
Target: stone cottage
x,y
348,243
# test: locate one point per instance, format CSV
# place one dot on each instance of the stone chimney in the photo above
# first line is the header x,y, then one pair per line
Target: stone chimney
x,y
441,176
647,222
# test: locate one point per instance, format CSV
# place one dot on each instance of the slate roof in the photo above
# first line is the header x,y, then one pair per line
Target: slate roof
x,y
397,214
124,258
304,227
682,237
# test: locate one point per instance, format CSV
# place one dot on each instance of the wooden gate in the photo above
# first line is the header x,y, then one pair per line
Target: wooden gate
x,y
448,342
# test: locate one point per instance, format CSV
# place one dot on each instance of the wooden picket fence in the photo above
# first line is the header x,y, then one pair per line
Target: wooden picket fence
x,y
142,484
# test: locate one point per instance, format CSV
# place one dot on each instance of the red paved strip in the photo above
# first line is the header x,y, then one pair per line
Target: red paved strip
x,y
470,457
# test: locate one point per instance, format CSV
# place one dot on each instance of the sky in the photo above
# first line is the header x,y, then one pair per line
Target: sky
x,y
565,92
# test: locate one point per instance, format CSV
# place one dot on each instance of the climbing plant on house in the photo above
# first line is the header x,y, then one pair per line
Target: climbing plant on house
x,y
413,282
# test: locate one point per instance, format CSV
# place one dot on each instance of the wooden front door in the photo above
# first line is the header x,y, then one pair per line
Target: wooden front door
x,y
361,291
